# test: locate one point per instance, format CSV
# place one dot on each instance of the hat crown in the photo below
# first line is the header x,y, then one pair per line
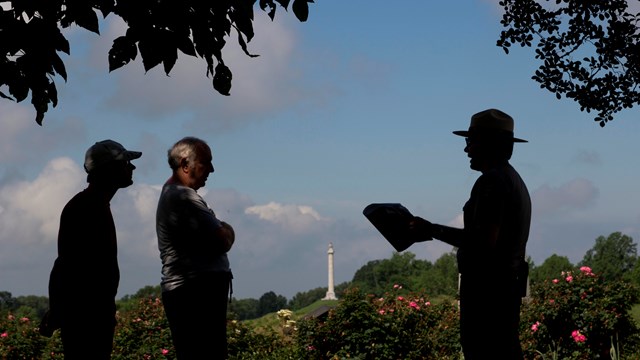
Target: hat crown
x,y
491,119
490,122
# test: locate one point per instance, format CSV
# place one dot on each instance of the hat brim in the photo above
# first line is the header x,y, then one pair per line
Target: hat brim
x,y
466,133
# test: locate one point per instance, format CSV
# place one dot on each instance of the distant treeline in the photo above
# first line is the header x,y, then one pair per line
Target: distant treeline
x,y
614,257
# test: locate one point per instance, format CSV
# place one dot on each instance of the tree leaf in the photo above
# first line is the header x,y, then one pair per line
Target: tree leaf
x,y
186,46
243,45
122,52
264,4
61,43
150,53
301,9
88,19
283,3
52,91
58,66
222,79
5,96
169,60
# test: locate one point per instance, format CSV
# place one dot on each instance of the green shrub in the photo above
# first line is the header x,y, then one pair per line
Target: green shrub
x,y
579,316
143,333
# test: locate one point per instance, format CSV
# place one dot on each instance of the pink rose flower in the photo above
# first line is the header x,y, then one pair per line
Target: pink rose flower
x,y
577,337
414,305
396,286
381,311
428,303
400,298
165,351
585,269
4,335
555,281
569,278
535,326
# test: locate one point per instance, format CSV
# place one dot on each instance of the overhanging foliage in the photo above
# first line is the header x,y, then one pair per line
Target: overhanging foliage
x,y
31,38
589,50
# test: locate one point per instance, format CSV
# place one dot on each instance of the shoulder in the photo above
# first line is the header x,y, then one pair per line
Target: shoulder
x,y
174,194
78,202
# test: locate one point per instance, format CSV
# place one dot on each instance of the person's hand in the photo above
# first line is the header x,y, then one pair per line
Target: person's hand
x,y
420,229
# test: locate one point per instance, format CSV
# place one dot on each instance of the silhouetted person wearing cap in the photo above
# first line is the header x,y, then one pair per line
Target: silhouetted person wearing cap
x,y
193,244
85,276
491,247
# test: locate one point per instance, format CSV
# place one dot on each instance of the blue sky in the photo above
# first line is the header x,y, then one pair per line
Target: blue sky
x,y
354,106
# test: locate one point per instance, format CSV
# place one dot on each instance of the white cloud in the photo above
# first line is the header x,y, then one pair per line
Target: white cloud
x,y
31,209
297,218
576,194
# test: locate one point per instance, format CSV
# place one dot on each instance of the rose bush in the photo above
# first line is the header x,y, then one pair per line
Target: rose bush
x,y
576,316
395,326
579,315
19,338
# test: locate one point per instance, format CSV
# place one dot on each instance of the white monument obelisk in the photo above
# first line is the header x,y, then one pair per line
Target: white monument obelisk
x,y
331,295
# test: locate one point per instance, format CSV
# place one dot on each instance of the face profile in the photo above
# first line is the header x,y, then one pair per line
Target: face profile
x,y
201,168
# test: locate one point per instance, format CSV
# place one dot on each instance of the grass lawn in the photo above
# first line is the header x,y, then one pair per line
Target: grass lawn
x,y
271,320
635,313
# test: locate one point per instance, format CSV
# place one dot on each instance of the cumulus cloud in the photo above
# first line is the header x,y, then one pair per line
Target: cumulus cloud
x,y
273,241
296,218
577,194
31,209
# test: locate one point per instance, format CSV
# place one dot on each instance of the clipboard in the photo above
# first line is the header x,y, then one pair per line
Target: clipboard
x,y
392,221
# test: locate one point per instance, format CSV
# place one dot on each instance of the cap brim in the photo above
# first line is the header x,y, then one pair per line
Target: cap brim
x,y
130,155
466,133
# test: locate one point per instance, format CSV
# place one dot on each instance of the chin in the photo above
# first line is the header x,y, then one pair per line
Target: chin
x,y
125,184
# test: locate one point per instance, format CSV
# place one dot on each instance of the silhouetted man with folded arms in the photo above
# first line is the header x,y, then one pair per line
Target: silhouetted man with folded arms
x,y
193,244
85,276
491,247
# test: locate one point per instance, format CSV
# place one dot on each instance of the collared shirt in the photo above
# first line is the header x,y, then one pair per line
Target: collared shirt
x,y
499,198
187,236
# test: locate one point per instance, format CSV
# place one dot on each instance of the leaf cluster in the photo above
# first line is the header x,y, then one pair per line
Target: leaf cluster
x,y
31,38
589,50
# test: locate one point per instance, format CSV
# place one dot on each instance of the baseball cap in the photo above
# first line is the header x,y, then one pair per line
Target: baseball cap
x,y
106,151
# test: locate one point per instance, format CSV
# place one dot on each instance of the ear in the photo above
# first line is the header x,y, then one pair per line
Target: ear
x,y
184,165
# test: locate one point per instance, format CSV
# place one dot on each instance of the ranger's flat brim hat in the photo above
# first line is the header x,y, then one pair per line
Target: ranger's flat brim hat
x,y
490,122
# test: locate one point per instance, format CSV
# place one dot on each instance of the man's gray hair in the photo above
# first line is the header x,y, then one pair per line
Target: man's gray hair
x,y
186,148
